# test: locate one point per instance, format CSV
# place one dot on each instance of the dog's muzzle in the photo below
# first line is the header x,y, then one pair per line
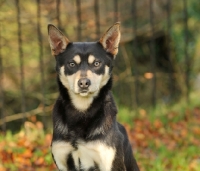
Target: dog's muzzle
x,y
83,85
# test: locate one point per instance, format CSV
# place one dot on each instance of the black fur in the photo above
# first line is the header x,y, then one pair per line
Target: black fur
x,y
71,125
102,113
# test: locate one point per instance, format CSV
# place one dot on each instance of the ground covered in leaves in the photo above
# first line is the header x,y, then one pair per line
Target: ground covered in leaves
x,y
169,142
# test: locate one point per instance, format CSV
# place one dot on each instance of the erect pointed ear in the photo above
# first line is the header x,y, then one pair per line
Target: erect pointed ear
x,y
110,40
58,42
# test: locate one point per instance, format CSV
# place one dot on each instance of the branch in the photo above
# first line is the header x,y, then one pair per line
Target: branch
x,y
17,116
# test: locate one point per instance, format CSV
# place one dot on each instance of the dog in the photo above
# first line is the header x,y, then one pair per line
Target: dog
x,y
86,135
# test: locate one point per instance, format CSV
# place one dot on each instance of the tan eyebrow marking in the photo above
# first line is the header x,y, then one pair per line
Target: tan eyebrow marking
x,y
77,59
91,59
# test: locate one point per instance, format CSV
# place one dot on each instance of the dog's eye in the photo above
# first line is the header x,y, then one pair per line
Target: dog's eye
x,y
72,64
96,63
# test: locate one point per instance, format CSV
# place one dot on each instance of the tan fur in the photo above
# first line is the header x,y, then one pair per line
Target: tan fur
x,y
82,101
91,59
110,40
58,42
77,59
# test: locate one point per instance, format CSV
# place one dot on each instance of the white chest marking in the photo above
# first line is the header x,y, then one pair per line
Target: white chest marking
x,y
88,154
60,151
79,102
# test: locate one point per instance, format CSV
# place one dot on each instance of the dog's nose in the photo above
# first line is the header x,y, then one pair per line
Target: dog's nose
x,y
84,83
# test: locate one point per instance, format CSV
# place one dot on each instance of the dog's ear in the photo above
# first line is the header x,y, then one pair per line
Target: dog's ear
x,y
58,42
110,40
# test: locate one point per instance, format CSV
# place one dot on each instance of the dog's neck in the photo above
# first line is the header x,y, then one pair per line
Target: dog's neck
x,y
96,120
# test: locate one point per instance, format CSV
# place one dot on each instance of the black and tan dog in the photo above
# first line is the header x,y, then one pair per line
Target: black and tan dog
x,y
86,135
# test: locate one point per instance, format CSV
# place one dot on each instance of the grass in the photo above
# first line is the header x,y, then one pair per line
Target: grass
x,y
165,159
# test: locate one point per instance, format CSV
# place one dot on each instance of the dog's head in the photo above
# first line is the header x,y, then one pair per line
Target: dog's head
x,y
84,67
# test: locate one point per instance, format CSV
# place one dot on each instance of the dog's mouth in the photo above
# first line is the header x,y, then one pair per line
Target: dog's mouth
x,y
86,92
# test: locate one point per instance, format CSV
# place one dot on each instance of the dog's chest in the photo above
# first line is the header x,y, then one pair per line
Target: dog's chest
x,y
94,156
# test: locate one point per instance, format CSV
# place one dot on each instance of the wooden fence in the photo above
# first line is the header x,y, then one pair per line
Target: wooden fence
x,y
145,24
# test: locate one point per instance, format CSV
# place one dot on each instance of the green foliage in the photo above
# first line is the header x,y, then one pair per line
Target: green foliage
x,y
194,9
166,137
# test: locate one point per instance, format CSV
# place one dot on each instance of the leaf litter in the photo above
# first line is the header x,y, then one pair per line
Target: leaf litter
x,y
162,144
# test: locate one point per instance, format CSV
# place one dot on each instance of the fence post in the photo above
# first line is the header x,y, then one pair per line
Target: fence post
x,y
58,13
152,53
187,60
116,11
171,76
79,33
97,17
40,46
59,23
135,43
2,116
21,61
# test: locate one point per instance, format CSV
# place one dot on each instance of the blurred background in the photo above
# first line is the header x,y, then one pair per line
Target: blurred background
x,y
156,75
